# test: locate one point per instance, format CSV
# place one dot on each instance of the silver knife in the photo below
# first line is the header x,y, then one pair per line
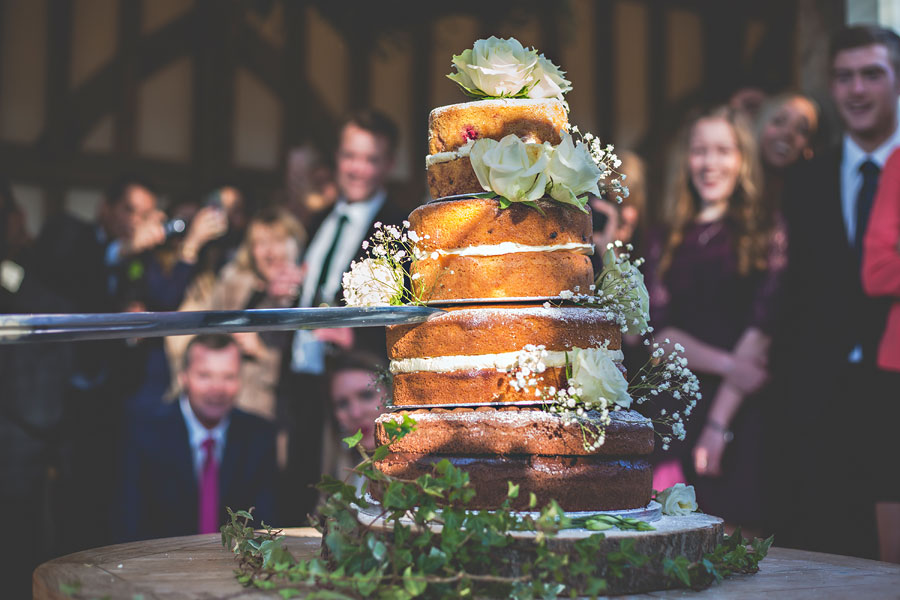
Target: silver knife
x,y
18,329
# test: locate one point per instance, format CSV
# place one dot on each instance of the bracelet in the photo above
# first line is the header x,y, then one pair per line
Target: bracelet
x,y
727,434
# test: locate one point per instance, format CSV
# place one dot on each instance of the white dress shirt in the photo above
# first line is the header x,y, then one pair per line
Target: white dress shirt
x,y
197,434
360,216
307,351
851,181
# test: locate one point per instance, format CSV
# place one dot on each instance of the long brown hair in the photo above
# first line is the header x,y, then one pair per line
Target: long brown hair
x,y
746,214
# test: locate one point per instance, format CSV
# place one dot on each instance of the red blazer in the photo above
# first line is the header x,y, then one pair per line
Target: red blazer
x,y
881,258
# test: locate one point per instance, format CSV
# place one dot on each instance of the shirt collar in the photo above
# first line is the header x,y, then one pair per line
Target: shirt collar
x,y
855,156
197,433
363,210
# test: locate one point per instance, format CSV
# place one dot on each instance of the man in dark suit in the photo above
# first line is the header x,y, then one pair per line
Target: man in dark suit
x,y
364,159
827,350
182,466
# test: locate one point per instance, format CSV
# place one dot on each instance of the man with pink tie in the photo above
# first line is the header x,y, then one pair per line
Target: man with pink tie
x,y
185,463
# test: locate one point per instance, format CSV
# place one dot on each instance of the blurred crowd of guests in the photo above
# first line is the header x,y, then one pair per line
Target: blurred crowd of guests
x,y
775,261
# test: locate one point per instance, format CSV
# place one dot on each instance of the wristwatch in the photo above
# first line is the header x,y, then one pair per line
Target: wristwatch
x,y
727,435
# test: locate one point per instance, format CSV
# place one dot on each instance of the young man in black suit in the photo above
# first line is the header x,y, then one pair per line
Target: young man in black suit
x,y
364,159
826,354
182,466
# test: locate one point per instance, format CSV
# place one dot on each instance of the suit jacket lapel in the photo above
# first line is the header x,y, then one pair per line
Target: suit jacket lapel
x,y
231,460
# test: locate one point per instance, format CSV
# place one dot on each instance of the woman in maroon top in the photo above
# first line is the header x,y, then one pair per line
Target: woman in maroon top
x,y
713,279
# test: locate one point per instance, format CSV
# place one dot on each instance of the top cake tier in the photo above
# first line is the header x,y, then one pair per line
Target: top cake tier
x,y
450,127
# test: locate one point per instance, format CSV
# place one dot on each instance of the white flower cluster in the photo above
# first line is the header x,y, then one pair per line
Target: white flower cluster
x,y
667,375
622,283
619,290
594,383
503,68
380,278
372,282
520,171
612,183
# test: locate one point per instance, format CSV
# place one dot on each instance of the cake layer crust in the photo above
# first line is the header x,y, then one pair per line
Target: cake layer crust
x,y
576,483
452,177
516,275
450,127
470,222
518,431
471,331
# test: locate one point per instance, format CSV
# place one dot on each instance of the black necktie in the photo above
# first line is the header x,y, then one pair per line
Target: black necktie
x,y
870,172
326,262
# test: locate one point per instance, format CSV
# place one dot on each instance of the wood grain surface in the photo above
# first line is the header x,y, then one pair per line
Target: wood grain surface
x,y
197,567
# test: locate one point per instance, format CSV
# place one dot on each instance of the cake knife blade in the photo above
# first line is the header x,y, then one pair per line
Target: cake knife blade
x,y
18,329
520,403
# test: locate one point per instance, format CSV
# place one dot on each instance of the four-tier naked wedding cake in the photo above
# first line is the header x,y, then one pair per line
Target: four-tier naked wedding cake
x,y
506,237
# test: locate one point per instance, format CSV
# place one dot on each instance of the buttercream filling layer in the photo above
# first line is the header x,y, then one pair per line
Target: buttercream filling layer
x,y
499,362
515,248
442,157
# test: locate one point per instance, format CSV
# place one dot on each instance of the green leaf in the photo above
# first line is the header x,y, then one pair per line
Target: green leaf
x,y
535,206
513,491
504,202
354,439
414,584
380,453
598,524
532,500
70,589
288,593
678,568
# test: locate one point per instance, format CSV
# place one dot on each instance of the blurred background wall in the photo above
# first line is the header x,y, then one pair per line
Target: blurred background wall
x,y
192,93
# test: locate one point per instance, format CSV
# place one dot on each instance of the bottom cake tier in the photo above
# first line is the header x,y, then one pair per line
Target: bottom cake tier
x,y
577,483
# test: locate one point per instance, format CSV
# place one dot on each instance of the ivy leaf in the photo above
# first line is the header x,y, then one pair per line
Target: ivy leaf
x,y
678,568
513,490
413,584
354,439
377,547
332,486
380,453
532,500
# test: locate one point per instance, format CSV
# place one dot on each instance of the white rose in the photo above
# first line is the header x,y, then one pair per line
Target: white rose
x,y
372,282
511,168
622,279
572,173
495,67
550,80
678,500
598,377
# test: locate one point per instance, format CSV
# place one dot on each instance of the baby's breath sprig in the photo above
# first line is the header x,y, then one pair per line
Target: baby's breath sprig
x,y
382,278
612,182
669,375
570,402
619,290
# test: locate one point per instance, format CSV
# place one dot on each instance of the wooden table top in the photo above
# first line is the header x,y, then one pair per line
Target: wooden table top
x,y
196,566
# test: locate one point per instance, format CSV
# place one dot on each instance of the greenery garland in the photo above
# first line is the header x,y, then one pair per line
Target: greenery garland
x,y
474,554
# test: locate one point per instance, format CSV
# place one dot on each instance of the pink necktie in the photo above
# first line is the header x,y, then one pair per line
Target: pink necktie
x,y
208,492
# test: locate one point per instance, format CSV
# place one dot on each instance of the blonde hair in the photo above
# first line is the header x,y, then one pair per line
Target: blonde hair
x,y
269,217
752,223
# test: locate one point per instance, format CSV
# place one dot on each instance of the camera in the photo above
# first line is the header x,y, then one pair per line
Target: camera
x,y
177,227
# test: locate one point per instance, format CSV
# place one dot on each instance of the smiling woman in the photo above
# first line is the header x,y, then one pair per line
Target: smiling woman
x,y
713,278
